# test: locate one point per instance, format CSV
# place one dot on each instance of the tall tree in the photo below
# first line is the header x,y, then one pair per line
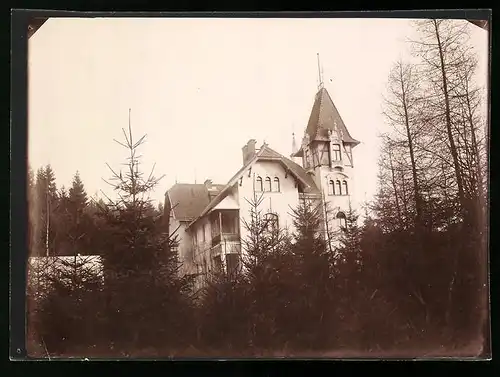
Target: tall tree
x,y
265,265
148,301
403,106
46,202
310,288
444,51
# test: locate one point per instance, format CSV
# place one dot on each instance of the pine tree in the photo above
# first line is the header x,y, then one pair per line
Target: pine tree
x,y
265,266
311,286
77,195
148,302
46,202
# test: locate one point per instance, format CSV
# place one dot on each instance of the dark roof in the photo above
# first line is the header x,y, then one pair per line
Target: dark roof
x,y
189,200
300,171
323,117
295,168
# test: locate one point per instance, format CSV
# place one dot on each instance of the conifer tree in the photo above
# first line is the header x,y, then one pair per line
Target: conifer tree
x,y
46,202
148,301
265,264
310,290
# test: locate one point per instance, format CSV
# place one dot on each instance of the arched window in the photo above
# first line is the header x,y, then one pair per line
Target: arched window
x,y
276,184
259,184
344,188
338,188
336,155
342,219
271,221
268,184
331,188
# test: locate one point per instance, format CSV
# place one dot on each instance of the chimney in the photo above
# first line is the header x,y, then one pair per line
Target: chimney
x,y
249,151
212,190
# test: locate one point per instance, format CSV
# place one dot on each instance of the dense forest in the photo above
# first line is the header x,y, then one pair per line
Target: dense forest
x,y
409,279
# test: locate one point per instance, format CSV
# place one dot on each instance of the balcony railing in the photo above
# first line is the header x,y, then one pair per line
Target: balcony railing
x,y
230,237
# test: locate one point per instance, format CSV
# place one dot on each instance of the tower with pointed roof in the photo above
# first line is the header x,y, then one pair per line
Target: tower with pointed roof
x,y
327,155
210,218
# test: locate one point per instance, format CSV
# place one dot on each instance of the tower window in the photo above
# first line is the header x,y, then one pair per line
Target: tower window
x,y
342,219
276,184
331,188
338,188
325,154
259,184
268,184
336,155
344,188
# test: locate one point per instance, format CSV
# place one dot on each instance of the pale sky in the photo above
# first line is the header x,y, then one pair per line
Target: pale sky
x,y
200,88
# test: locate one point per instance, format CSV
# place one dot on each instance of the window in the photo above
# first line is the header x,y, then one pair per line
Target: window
x,y
336,155
276,184
325,154
271,220
344,188
338,188
331,188
259,184
342,219
268,184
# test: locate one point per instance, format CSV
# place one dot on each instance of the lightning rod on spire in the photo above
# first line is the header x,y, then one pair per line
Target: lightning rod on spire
x,y
320,74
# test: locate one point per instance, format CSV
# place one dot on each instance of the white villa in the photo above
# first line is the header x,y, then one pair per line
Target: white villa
x,y
208,217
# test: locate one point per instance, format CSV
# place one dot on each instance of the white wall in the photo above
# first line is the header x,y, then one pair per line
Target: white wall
x,y
278,202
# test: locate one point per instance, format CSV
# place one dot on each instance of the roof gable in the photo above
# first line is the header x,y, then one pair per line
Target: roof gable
x,y
264,153
188,200
325,116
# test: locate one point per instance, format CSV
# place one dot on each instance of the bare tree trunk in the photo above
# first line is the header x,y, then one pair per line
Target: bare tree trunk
x,y
394,186
418,202
451,139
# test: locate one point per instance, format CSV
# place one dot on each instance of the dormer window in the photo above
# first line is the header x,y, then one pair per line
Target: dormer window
x,y
336,155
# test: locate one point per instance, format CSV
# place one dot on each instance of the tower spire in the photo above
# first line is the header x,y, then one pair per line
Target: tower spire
x,y
320,73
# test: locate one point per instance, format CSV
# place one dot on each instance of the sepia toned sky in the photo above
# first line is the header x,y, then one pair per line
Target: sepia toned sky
x,y
200,88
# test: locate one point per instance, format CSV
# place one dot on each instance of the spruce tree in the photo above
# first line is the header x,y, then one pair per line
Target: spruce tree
x,y
265,265
311,286
148,301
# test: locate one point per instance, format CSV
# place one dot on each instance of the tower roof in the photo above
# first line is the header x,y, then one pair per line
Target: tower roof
x,y
325,116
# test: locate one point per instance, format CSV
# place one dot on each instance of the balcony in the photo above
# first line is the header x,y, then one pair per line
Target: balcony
x,y
225,227
226,247
225,237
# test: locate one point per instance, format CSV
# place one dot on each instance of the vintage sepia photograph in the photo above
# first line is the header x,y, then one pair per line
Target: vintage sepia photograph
x,y
266,187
